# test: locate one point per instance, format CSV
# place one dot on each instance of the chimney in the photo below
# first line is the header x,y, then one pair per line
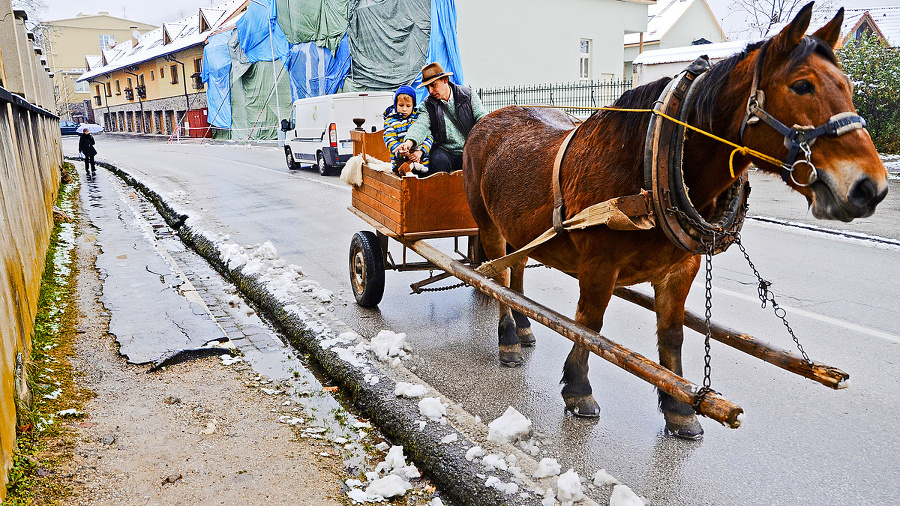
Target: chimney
x,y
134,36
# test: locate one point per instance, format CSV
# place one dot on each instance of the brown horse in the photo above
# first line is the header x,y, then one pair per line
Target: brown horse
x,y
509,158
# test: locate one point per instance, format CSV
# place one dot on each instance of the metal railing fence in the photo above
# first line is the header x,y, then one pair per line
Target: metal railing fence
x,y
569,95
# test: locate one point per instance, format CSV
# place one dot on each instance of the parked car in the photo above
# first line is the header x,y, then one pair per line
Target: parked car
x,y
318,131
68,128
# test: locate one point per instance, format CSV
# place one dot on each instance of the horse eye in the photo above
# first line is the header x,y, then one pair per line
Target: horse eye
x,y
802,87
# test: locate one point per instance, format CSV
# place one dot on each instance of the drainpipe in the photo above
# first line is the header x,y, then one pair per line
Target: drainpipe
x,y
187,102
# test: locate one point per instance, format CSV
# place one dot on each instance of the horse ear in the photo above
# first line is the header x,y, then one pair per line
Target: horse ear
x,y
793,33
831,32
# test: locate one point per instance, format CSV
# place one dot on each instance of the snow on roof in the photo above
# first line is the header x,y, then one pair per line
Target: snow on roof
x,y
93,61
661,17
715,52
886,18
182,34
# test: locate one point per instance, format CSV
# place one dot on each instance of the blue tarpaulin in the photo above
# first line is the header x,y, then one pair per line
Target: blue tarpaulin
x,y
260,35
314,71
216,73
442,47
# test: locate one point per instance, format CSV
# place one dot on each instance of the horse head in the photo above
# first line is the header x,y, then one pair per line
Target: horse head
x,y
801,111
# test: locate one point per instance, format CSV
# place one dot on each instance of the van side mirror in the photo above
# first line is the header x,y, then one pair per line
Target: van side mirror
x,y
286,125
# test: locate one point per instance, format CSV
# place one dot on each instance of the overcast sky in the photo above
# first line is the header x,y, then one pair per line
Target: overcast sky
x,y
155,12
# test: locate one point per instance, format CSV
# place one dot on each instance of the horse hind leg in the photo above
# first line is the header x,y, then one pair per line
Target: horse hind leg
x,y
681,420
510,348
523,325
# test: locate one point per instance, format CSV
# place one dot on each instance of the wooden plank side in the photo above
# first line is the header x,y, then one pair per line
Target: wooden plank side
x,y
391,225
375,187
436,203
391,213
388,179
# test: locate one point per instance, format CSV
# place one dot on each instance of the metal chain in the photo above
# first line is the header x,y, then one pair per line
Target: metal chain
x,y
707,359
767,297
439,289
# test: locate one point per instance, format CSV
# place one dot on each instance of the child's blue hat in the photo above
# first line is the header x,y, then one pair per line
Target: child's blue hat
x,y
405,90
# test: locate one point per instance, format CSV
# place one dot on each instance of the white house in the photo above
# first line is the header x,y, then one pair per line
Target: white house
x,y
652,65
515,42
673,23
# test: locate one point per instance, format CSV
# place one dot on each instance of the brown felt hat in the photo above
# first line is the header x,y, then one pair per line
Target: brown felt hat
x,y
432,72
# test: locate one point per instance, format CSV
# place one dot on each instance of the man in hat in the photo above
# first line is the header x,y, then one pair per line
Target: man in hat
x,y
448,114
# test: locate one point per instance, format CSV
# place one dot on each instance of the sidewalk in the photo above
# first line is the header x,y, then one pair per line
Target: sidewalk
x,y
257,429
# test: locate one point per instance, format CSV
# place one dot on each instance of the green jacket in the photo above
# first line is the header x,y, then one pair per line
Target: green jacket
x,y
455,139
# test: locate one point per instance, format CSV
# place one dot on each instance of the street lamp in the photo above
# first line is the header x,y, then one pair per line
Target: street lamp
x,y
272,47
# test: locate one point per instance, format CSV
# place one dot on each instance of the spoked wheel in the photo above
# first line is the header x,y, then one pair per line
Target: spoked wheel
x,y
289,158
366,269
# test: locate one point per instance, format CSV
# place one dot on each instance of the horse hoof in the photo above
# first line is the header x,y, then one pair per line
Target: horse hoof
x,y
584,406
511,356
684,427
526,336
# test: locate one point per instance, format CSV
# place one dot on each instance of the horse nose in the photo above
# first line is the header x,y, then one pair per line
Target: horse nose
x,y
864,195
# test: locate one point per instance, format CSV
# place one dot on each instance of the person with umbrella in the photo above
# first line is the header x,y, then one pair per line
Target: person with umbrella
x,y
86,146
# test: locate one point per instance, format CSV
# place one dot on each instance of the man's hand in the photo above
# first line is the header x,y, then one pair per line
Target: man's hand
x,y
404,147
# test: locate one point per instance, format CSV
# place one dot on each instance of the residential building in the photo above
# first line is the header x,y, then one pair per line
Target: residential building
x,y
67,41
673,23
882,22
535,41
152,83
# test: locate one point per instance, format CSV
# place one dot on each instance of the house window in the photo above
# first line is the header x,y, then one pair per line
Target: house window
x,y
108,90
129,83
584,59
162,74
197,75
151,76
82,87
174,71
107,41
118,88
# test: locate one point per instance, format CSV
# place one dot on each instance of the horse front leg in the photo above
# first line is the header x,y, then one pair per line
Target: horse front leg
x,y
510,349
671,293
596,285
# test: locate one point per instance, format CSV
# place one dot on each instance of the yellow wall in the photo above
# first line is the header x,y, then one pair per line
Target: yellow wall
x,y
160,86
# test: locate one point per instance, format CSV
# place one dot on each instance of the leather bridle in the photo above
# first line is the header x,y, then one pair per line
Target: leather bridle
x,y
799,138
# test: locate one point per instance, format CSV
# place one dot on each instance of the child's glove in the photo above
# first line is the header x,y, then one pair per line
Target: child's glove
x,y
418,169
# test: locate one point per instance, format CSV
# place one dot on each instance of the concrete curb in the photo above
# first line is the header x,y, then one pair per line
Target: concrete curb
x,y
398,418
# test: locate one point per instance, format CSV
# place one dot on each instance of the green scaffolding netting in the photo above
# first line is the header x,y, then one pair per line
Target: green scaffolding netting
x,y
388,43
254,104
323,22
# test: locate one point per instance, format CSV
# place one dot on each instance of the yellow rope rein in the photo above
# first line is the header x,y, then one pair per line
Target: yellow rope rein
x,y
744,150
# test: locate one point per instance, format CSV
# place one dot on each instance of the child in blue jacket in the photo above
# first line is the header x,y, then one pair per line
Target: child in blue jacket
x,y
397,120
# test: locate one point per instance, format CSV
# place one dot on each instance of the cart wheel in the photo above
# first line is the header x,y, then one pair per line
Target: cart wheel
x,y
366,269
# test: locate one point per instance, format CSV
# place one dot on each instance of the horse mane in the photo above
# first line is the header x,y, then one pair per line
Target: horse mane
x,y
633,124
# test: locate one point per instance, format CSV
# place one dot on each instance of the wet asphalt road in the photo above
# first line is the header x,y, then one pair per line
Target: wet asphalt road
x,y
801,443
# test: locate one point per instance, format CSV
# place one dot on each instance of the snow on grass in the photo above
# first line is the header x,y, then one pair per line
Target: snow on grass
x,y
410,390
624,496
547,467
509,427
569,489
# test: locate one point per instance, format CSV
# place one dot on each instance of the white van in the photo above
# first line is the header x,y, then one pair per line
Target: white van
x,y
318,131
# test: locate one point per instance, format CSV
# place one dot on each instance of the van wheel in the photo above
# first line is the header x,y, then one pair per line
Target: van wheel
x,y
324,168
289,157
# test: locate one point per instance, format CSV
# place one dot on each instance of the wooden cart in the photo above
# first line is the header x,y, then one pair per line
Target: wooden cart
x,y
411,210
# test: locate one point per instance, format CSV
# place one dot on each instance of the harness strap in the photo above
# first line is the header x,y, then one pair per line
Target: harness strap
x,y
629,213
558,203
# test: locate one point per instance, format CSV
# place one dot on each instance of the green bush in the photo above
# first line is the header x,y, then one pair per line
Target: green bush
x,y
874,69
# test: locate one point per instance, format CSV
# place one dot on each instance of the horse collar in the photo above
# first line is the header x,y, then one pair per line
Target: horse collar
x,y
799,138
663,175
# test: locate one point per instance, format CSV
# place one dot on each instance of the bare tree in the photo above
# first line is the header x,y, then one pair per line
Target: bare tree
x,y
34,8
766,16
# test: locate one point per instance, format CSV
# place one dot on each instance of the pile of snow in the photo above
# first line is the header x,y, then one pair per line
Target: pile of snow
x,y
506,488
602,479
388,345
433,409
569,489
393,484
410,390
624,496
474,452
547,467
509,427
